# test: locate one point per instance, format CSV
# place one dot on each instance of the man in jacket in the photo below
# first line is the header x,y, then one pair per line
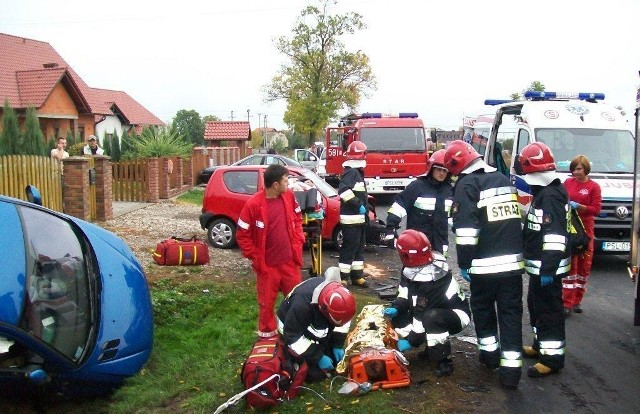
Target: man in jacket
x,y
426,203
269,233
547,258
486,221
353,215
313,321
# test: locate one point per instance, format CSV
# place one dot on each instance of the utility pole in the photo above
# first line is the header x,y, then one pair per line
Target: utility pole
x,y
265,130
248,116
260,129
232,115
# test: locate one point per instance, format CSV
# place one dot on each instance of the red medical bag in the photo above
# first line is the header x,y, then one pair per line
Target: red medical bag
x,y
181,252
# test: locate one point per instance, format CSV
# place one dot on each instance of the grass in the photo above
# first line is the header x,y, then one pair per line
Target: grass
x,y
193,196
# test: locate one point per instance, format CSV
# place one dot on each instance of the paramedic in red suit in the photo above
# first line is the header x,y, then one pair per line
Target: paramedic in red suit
x,y
586,198
269,223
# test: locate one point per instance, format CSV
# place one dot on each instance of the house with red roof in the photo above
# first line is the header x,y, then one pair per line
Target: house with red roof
x,y
236,133
33,74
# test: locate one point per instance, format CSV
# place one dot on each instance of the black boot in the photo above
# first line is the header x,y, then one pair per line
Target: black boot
x,y
510,377
445,367
490,359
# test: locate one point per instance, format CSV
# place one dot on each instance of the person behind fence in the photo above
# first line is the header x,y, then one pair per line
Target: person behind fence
x,y
353,214
92,147
486,222
269,233
586,198
430,305
313,321
426,203
547,256
60,152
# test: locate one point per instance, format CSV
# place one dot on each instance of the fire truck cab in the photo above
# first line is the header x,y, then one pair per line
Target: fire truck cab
x,y
396,149
572,124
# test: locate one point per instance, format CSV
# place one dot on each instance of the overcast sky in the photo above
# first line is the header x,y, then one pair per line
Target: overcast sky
x,y
438,58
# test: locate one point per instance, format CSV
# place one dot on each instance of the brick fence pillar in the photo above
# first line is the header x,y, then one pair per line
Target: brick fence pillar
x,y
189,173
163,178
178,171
104,188
153,180
75,185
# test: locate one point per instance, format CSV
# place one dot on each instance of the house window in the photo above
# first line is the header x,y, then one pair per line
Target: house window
x,y
81,132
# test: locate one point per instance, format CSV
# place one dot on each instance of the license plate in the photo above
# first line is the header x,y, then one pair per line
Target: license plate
x,y
616,246
393,183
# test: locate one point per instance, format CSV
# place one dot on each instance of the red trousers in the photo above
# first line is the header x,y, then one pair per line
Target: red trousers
x,y
575,284
271,280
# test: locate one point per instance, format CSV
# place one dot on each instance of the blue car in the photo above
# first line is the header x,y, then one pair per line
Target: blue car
x,y
75,311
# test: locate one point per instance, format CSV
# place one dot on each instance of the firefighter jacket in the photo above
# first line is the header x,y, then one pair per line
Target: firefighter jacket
x,y
306,331
425,288
486,222
546,239
353,194
426,204
253,223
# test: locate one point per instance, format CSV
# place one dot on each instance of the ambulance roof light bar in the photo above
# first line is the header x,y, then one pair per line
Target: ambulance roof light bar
x,y
583,96
381,115
493,102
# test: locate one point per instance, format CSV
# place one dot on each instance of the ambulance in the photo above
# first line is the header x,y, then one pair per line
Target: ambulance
x,y
634,257
572,124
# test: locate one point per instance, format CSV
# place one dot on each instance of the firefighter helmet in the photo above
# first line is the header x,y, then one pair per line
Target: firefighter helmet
x,y
437,159
414,248
357,150
458,156
337,303
536,157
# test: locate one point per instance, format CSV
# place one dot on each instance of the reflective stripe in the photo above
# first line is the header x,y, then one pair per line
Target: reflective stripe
x,y
554,242
397,210
489,344
551,344
533,267
280,326
359,186
301,345
318,333
435,339
560,247
418,327
347,195
298,209
344,267
468,241
497,264
464,318
343,329
403,292
425,203
511,359
267,334
352,218
357,265
497,195
535,215
404,331
243,225
467,232
452,289
447,205
551,352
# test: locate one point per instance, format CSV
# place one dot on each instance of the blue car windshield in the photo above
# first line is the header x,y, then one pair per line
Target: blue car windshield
x,y
58,306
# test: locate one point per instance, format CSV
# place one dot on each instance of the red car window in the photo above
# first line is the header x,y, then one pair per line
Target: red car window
x,y
243,182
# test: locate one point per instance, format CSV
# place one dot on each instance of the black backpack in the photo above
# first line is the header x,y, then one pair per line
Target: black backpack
x,y
578,238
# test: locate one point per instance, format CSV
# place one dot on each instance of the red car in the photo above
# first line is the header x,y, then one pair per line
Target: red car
x,y
230,187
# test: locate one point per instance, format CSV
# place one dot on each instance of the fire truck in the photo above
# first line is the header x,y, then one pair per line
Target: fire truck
x,y
572,124
396,149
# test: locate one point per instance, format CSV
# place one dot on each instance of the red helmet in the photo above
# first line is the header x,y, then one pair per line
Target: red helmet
x,y
414,248
536,157
337,303
458,156
356,151
437,158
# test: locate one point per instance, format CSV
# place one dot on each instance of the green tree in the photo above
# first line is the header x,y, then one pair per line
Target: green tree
x,y
34,143
11,138
188,124
533,86
257,138
160,142
52,143
116,153
106,146
321,76
208,118
125,145
71,139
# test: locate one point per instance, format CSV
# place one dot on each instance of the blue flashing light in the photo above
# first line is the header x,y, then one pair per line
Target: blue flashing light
x,y
497,101
372,115
408,115
538,95
586,96
542,95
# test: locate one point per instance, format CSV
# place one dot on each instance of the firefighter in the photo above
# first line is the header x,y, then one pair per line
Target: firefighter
x,y
426,203
353,214
486,222
313,321
547,257
430,305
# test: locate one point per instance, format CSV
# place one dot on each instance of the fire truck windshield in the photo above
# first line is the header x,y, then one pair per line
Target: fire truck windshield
x,y
393,139
609,151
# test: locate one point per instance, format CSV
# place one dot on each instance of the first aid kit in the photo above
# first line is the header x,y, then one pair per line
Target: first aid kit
x,y
181,252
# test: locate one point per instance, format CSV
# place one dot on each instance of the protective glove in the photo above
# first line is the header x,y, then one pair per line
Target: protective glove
x,y
390,312
573,205
338,354
362,210
546,280
403,345
325,363
465,274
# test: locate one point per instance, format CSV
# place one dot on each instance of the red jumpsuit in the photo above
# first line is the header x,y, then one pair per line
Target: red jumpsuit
x,y
251,236
589,195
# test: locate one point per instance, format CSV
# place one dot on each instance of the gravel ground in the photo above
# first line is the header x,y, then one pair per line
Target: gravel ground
x,y
142,229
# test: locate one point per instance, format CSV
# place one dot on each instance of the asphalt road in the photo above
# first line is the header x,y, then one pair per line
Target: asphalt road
x,y
602,368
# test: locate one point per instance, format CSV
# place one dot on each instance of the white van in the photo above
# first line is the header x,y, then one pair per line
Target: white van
x,y
572,124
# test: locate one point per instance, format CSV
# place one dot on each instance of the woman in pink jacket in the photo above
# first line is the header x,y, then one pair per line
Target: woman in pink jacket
x,y
586,198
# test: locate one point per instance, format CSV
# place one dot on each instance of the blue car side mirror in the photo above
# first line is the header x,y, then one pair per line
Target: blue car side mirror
x,y
38,376
33,195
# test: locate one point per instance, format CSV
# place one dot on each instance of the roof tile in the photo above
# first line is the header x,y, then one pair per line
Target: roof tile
x,y
227,130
